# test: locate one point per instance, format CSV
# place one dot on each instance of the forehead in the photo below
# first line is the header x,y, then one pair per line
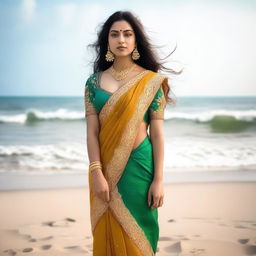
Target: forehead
x,y
121,25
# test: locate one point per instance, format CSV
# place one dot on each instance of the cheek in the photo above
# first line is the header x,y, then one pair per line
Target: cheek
x,y
132,44
111,38
131,40
111,41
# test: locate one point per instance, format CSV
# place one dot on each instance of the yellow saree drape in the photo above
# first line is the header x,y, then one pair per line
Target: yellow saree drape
x,y
115,231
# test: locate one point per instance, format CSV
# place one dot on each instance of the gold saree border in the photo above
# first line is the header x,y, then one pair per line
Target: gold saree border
x,y
119,160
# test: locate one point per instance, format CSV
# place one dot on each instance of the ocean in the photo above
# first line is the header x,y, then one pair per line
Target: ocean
x,y
206,139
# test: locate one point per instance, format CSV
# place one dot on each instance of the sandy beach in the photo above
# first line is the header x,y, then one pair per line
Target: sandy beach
x,y
206,219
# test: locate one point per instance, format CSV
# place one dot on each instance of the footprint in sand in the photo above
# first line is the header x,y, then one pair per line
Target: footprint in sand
x,y
174,248
46,246
250,249
70,220
72,247
59,223
75,248
240,226
243,241
27,249
32,240
165,238
10,252
48,223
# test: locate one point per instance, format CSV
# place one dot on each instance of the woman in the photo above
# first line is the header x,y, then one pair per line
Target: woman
x,y
122,97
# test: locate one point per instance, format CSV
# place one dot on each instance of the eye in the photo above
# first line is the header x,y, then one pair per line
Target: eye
x,y
129,34
113,35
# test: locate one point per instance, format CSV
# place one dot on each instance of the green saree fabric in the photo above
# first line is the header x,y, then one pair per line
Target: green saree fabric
x,y
133,187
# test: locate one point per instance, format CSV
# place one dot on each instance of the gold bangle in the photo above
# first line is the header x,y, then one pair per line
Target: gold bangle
x,y
95,162
95,165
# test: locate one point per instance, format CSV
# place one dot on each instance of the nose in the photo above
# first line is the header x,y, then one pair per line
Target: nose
x,y
121,38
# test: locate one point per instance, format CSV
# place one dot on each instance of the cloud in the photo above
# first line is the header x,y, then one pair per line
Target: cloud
x,y
67,13
28,10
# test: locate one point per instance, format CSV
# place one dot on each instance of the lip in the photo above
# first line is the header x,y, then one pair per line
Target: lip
x,y
121,48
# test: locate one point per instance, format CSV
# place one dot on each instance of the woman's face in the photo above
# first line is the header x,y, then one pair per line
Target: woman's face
x,y
121,34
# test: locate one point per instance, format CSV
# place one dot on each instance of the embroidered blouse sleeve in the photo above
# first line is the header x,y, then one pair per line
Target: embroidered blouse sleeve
x,y
89,97
157,106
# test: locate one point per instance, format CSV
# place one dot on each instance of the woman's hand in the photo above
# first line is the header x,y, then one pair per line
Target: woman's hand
x,y
100,185
157,192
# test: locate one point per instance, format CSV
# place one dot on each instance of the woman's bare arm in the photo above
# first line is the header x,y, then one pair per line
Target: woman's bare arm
x,y
92,134
157,139
156,191
99,183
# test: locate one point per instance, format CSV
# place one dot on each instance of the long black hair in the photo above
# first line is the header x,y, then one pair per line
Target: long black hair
x,y
148,57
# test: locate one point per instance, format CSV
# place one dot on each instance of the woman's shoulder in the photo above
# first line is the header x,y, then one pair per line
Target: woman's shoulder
x,y
91,79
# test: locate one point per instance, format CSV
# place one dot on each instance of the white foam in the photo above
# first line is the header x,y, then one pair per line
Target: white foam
x,y
216,152
246,115
180,152
59,157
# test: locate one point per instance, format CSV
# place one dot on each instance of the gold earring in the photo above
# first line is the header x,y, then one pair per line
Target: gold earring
x,y
109,56
135,54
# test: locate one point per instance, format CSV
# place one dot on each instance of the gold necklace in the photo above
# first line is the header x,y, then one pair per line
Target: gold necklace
x,y
119,75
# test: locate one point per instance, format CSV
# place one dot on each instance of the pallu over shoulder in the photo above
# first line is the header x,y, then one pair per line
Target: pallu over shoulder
x,y
120,119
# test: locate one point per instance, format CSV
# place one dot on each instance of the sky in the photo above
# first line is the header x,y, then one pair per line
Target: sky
x,y
44,44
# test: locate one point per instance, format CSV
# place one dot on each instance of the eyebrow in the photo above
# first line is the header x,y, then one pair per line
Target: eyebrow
x,y
123,30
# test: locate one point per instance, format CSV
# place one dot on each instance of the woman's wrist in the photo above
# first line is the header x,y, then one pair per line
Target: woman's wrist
x,y
97,171
158,179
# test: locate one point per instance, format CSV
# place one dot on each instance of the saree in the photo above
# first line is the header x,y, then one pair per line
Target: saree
x,y
126,225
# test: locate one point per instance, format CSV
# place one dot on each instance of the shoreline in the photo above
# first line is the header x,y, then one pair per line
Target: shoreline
x,y
17,181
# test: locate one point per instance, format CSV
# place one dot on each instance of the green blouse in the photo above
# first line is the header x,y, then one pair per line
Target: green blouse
x,y
96,97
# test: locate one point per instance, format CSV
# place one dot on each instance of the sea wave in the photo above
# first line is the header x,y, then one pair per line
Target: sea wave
x,y
57,157
219,120
206,116
180,153
33,115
